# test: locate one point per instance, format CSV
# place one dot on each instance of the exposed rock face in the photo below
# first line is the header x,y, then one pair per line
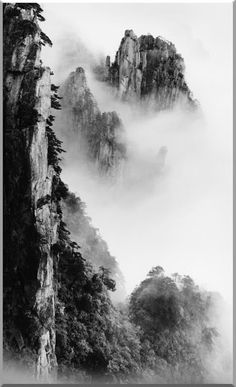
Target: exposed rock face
x,y
30,228
148,69
98,135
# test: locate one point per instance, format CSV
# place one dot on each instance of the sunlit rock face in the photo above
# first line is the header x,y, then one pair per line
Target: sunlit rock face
x,y
30,222
95,135
148,69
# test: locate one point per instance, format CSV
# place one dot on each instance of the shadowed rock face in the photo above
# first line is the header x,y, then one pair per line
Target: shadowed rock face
x,y
148,69
97,135
30,229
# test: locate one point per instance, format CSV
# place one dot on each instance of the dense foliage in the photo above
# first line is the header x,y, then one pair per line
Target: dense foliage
x,y
173,315
92,336
162,335
93,248
94,339
54,146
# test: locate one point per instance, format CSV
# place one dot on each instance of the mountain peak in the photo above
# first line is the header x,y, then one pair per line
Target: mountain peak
x,y
80,70
149,70
130,33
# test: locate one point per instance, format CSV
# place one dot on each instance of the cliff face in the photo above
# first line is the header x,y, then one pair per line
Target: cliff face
x,y
97,135
44,275
30,220
148,69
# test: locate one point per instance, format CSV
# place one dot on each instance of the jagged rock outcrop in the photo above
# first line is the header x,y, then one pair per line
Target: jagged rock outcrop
x,y
30,213
148,69
97,135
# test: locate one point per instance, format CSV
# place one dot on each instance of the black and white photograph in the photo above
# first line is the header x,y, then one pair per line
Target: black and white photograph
x,y
117,192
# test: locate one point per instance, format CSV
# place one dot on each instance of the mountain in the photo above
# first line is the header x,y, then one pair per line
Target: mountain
x,y
30,207
148,69
94,135
47,283
59,322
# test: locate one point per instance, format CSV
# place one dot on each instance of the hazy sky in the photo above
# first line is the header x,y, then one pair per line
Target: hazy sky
x,y
183,221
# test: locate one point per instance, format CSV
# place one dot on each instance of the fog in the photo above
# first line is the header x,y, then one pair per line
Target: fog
x,y
175,210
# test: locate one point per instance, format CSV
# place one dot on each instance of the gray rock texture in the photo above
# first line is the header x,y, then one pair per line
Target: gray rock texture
x,y
150,70
97,134
30,229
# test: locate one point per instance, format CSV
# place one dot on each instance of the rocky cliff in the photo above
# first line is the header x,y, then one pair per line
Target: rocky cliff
x,y
148,69
96,135
31,216
45,277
